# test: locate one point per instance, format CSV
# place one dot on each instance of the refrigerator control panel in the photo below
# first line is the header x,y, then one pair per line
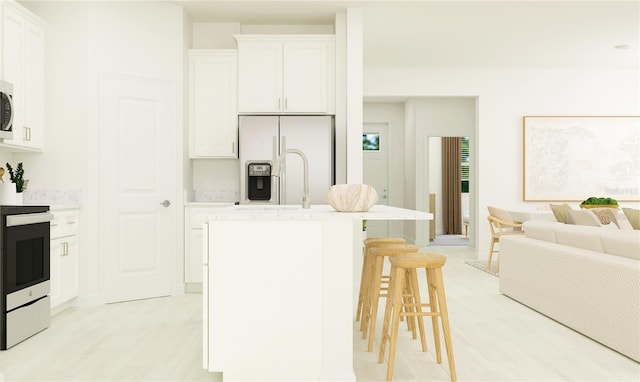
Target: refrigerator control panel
x,y
259,169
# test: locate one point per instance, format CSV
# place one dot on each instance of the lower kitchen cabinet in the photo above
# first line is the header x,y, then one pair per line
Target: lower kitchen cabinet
x,y
194,219
64,257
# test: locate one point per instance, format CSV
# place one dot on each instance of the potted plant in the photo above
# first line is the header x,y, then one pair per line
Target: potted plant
x,y
598,202
17,177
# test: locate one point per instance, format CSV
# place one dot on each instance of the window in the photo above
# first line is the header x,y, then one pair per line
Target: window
x,y
371,142
464,164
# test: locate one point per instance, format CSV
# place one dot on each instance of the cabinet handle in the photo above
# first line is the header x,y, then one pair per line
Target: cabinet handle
x,y
65,249
26,134
285,104
278,103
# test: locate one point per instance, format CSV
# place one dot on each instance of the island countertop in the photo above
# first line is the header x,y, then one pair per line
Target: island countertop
x,y
317,211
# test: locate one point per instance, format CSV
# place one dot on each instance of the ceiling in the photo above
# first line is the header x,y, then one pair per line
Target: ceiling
x,y
456,34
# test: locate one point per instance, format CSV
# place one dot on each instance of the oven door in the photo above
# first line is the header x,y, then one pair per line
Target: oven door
x,y
26,252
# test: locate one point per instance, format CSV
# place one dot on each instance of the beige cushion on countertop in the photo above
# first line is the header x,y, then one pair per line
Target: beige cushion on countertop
x,y
560,211
352,197
633,216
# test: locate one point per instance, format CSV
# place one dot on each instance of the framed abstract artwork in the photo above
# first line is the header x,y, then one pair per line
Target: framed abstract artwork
x,y
572,158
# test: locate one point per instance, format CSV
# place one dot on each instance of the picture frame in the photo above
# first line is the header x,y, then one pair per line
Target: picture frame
x,y
571,158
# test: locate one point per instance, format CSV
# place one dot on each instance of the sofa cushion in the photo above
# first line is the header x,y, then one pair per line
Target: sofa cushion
x,y
624,243
580,236
540,229
560,211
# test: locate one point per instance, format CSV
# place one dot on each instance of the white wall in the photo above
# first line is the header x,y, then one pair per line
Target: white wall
x,y
393,115
504,96
85,39
66,114
64,163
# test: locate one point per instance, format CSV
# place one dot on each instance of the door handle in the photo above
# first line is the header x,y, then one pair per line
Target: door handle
x,y
166,203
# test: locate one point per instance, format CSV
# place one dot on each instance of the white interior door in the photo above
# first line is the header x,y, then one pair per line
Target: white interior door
x,y
137,173
375,166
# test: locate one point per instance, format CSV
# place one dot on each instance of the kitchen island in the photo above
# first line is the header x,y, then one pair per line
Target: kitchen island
x,y
279,290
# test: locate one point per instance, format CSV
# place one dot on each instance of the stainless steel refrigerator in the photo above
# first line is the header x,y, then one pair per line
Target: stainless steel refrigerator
x,y
263,138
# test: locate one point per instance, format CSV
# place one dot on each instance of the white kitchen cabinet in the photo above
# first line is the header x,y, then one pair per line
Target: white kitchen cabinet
x,y
194,219
286,74
23,66
64,258
213,122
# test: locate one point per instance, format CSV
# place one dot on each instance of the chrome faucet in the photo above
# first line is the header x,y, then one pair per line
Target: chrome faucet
x,y
277,169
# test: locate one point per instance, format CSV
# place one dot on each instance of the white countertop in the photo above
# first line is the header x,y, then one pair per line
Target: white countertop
x,y
57,207
316,212
208,204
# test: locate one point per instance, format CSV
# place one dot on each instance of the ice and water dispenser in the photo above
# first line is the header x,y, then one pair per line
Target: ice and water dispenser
x,y
259,181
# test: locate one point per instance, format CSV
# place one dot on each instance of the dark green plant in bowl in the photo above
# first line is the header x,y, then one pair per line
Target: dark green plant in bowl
x,y
596,202
17,177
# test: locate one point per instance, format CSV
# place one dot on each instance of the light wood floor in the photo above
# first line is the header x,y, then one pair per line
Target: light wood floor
x,y
494,339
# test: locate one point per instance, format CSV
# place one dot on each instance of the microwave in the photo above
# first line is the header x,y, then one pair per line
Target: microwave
x,y
6,110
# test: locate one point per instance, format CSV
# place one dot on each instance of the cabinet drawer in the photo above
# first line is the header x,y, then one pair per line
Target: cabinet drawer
x,y
64,223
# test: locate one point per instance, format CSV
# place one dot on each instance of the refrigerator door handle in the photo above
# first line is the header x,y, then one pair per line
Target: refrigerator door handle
x,y
275,181
282,188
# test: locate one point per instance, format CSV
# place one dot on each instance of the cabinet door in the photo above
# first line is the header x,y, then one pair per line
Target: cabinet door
x,y
55,275
260,77
33,133
213,104
193,271
306,77
69,268
13,67
23,66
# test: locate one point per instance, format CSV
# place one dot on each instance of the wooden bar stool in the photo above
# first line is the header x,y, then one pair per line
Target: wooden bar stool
x,y
367,267
403,272
376,283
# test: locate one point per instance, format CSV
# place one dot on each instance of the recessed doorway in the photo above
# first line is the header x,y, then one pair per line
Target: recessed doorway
x,y
375,164
449,190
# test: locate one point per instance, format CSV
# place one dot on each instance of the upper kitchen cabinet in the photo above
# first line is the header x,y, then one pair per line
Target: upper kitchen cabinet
x,y
213,130
23,66
281,74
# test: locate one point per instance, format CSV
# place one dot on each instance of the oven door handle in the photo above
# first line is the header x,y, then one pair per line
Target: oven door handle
x,y
24,219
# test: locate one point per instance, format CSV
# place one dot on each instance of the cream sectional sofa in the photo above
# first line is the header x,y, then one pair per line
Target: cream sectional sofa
x,y
587,278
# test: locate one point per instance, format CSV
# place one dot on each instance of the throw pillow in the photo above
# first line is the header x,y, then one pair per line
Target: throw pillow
x,y
560,212
583,217
633,216
606,215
